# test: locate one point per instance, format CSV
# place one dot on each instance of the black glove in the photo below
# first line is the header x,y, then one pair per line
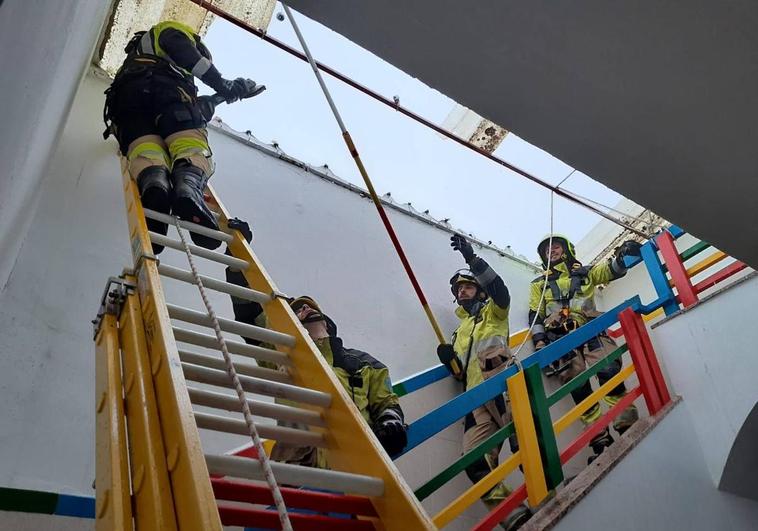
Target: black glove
x,y
233,90
459,243
243,227
449,359
628,248
391,431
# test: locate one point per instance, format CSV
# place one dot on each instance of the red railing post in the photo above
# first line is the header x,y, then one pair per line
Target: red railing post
x,y
687,294
641,365
652,360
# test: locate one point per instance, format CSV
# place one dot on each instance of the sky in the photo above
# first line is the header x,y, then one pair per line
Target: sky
x,y
403,157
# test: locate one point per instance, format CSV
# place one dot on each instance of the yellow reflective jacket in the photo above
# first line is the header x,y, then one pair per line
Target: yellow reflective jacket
x,y
573,289
481,339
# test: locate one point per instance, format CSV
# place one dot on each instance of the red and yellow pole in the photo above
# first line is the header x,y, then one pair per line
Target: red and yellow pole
x,y
366,179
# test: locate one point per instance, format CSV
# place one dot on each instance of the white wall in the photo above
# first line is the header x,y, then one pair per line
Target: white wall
x,y
313,236
662,485
46,48
710,355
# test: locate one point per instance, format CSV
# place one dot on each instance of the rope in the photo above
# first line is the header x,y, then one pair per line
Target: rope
x,y
281,508
544,285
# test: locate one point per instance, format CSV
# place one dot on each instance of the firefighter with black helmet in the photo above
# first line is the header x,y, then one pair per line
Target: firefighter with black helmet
x,y
563,299
478,350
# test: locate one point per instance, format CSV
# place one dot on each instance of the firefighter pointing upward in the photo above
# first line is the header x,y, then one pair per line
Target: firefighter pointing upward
x,y
568,303
478,351
152,109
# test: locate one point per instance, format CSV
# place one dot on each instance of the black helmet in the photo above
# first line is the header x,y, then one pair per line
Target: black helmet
x,y
465,275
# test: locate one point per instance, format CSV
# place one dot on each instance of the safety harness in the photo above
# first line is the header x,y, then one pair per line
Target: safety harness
x,y
143,66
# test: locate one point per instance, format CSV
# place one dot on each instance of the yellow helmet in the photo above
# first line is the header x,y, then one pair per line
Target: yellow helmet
x,y
569,251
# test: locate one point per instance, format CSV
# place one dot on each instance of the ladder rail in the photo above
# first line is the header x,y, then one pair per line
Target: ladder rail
x,y
153,502
113,509
194,501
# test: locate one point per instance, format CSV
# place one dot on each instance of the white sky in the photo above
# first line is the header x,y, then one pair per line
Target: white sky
x,y
402,157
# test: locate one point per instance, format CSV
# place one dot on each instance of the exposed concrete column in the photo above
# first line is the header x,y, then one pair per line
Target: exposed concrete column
x,y
46,49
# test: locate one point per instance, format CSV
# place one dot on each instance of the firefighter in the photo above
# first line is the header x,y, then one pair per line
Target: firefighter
x,y
568,303
366,380
477,351
153,110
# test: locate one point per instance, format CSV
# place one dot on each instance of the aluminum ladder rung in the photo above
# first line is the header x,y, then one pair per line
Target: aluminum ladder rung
x,y
248,369
244,467
188,225
214,256
235,347
207,421
227,325
204,375
203,397
215,284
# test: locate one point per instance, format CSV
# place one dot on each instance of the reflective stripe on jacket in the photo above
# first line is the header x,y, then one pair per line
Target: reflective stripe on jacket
x,y
481,339
179,45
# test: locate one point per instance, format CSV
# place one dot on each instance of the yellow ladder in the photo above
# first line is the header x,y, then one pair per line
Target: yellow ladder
x,y
152,472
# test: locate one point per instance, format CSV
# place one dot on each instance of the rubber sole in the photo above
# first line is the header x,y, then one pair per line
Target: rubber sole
x,y
187,209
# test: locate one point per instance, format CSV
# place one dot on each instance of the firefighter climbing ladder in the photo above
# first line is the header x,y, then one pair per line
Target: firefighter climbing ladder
x,y
152,472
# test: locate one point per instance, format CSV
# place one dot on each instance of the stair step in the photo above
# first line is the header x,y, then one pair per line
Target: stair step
x,y
203,397
327,502
212,283
244,467
250,384
228,325
247,369
199,339
294,436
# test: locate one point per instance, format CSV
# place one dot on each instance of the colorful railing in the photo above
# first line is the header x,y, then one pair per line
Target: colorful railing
x,y
539,456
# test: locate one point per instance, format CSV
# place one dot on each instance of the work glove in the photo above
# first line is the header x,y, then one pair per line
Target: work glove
x,y
460,244
233,90
243,227
449,359
391,431
628,248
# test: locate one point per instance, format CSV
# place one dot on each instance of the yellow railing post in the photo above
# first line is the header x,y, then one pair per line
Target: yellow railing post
x,y
531,461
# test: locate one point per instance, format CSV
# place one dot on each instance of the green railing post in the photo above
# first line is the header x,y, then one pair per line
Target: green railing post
x,y
551,459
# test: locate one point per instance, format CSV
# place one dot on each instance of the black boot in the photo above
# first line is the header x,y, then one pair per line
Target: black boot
x,y
517,518
188,203
600,442
155,191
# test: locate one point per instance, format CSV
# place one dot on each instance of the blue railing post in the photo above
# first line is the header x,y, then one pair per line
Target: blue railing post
x,y
659,278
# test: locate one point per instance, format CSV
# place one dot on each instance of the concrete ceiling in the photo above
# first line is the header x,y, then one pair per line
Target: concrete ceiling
x,y
657,100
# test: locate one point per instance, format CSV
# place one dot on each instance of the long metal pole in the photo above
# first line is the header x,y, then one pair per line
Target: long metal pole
x,y
361,168
410,114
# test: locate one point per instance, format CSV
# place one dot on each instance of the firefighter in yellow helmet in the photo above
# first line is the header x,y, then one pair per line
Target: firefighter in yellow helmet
x,y
366,380
567,304
477,351
153,109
